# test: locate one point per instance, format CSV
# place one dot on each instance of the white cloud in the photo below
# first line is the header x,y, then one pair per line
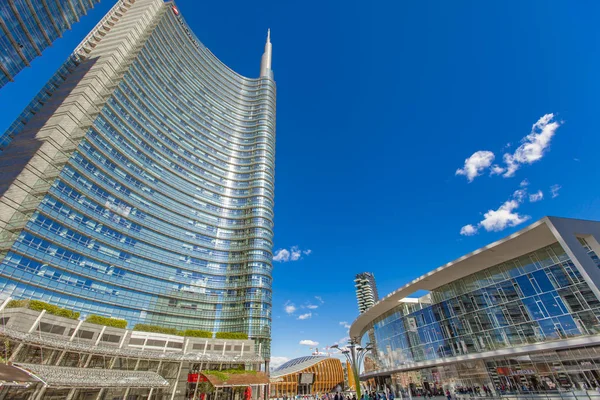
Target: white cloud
x,y
524,183
308,342
290,308
536,196
277,361
533,146
281,255
312,306
293,254
343,341
319,299
305,316
554,190
345,324
520,195
496,170
468,230
476,164
505,216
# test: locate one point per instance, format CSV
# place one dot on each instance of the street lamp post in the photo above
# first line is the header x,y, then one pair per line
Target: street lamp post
x,y
355,354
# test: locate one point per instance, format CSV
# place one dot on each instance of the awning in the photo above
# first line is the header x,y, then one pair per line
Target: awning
x,y
232,380
13,376
94,378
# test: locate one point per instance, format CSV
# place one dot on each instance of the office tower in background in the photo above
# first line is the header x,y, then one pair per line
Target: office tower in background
x,y
139,183
27,27
366,291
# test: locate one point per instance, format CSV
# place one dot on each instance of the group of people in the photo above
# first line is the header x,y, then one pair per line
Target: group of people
x,y
474,391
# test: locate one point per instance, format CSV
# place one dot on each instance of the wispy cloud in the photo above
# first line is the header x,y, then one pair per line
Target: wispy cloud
x,y
533,146
532,149
312,306
343,341
539,195
319,299
345,324
506,215
308,342
290,308
293,254
476,164
554,190
468,230
503,217
305,316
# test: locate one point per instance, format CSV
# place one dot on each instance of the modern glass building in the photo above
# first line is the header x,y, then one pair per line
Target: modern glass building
x,y
27,27
519,315
140,185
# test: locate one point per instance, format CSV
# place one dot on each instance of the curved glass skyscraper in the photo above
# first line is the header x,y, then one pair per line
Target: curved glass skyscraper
x,y
142,187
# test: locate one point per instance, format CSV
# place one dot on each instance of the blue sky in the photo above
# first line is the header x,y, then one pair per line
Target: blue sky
x,y
379,105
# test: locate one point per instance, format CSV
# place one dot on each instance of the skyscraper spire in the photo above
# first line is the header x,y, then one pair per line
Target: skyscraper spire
x,y
265,63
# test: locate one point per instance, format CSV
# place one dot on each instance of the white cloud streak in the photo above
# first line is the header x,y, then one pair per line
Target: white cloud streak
x,y
476,164
506,215
554,190
503,217
305,316
534,197
468,230
290,308
293,254
533,146
345,324
532,149
308,342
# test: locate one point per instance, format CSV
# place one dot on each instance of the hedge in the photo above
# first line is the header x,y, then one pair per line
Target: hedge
x,y
38,305
196,333
106,321
155,329
232,335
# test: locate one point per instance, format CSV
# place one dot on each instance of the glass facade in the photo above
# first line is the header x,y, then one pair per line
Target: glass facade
x,y
27,27
535,298
164,213
432,344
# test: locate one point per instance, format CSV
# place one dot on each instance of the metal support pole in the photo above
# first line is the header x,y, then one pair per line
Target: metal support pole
x,y
5,303
71,394
197,382
176,380
40,395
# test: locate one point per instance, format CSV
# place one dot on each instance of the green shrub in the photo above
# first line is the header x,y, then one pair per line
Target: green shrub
x,y
17,304
155,329
232,335
38,305
196,333
106,321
